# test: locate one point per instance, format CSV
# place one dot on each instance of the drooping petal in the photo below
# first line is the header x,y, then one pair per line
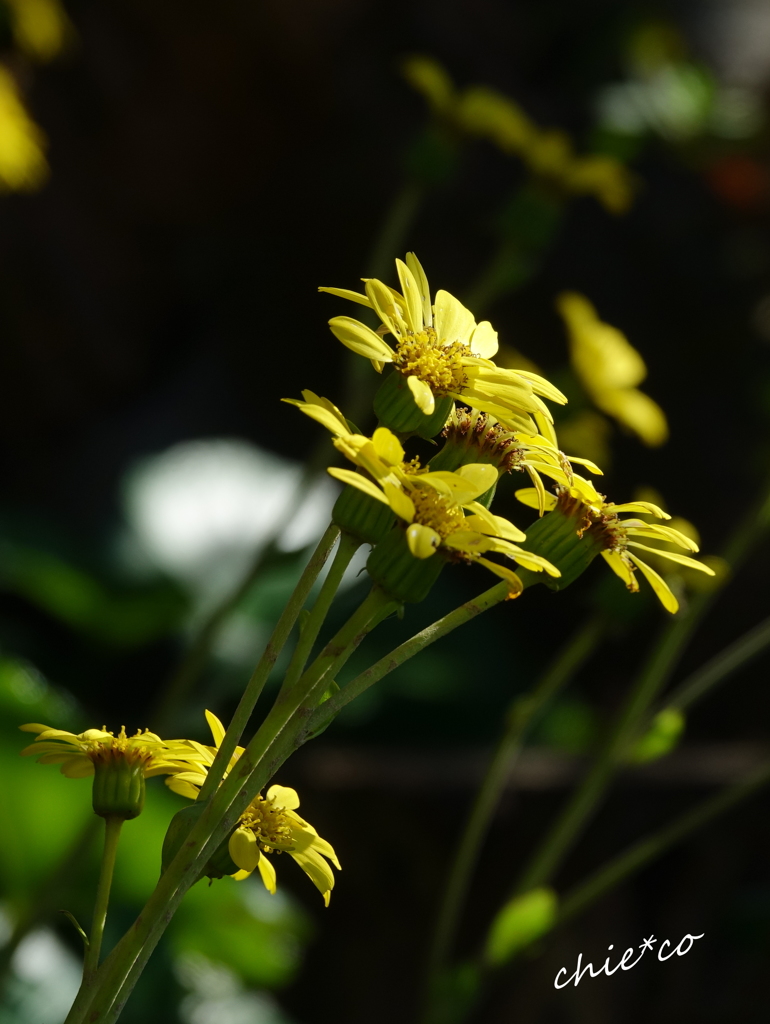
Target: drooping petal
x,y
658,584
422,540
422,394
400,502
267,871
529,496
674,556
243,848
515,586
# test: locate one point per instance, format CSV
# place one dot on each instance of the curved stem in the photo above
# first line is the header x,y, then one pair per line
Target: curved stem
x,y
265,665
112,827
521,716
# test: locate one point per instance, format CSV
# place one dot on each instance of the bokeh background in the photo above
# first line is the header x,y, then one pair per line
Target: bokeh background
x,y
178,178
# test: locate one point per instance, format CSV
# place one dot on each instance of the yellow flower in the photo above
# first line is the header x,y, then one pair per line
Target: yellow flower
x,y
269,824
119,764
40,27
440,349
600,519
433,507
23,167
548,152
79,754
610,368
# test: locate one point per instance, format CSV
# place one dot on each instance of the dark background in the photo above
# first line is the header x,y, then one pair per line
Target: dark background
x,y
211,165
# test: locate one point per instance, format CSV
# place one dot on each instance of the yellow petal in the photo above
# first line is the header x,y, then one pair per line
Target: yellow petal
x,y
674,556
658,584
284,796
515,586
422,395
529,496
267,871
388,446
346,293
484,340
400,502
347,476
422,540
243,849
411,292
386,305
217,729
422,283
360,339
453,321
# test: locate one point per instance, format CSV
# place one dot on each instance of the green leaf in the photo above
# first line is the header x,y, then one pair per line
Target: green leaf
x,y
522,921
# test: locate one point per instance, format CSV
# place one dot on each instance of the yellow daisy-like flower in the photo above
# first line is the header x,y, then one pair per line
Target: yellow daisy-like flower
x,y
617,536
609,368
23,166
119,764
79,755
269,825
439,348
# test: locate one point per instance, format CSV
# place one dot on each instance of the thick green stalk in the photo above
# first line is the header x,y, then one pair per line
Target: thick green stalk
x,y
265,665
347,548
646,850
112,827
269,747
520,717
322,716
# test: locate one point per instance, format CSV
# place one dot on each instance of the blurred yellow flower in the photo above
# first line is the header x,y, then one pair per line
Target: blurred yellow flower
x,y
268,825
440,349
23,167
601,519
41,28
609,368
548,152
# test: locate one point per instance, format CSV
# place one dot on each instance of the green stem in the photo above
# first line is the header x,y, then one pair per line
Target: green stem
x,y
347,548
112,827
720,667
520,717
270,746
329,710
648,849
265,665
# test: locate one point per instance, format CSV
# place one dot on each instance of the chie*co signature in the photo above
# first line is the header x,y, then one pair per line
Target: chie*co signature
x,y
623,963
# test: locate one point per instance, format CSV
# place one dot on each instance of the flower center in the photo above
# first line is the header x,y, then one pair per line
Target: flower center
x,y
440,366
128,749
433,510
269,825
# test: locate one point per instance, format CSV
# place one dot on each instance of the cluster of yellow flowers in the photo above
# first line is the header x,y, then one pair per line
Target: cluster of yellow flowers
x,y
493,420
442,380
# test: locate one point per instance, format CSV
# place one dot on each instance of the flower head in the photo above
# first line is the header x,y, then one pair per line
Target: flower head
x,y
269,825
600,519
609,368
119,764
440,349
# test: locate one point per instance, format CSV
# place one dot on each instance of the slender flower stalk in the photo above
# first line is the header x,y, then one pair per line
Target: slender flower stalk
x,y
112,826
521,716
